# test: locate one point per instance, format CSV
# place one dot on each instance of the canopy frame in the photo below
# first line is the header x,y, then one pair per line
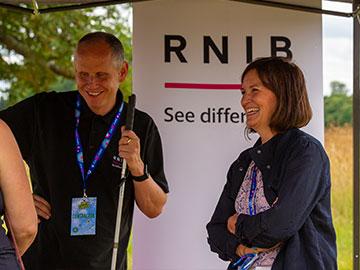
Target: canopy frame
x,y
37,10
356,134
356,80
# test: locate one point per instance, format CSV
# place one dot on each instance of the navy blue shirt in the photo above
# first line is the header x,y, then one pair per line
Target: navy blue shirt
x,y
296,178
44,127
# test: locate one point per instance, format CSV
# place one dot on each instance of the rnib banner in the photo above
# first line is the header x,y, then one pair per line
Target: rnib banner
x,y
188,57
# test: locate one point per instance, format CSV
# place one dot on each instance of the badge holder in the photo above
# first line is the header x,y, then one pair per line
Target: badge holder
x,y
244,262
83,216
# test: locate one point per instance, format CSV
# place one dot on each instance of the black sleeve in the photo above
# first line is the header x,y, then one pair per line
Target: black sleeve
x,y
221,241
21,120
303,185
153,155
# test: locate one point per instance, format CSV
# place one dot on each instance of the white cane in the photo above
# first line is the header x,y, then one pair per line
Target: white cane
x,y
128,126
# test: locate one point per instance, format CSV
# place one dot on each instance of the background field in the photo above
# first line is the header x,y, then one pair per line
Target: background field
x,y
339,146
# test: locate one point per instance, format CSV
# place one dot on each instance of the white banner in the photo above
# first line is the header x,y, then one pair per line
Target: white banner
x,y
188,57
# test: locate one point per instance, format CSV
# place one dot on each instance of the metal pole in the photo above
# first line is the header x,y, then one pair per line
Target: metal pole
x,y
88,5
68,7
115,2
16,8
356,135
36,7
118,223
129,126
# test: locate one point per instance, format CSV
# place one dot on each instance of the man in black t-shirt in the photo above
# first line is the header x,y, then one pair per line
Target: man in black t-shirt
x,y
73,143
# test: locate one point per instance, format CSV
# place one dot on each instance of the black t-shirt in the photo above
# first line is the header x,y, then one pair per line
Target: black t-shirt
x,y
44,127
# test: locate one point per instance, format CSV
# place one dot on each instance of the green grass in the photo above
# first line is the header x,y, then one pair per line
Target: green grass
x,y
339,145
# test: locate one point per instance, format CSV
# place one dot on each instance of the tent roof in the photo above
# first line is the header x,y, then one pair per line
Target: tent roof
x,y
299,2
46,6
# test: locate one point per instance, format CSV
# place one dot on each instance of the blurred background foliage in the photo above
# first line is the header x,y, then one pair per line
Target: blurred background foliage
x,y
36,51
338,105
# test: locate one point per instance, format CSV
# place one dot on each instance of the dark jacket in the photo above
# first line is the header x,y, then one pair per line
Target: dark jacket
x,y
296,172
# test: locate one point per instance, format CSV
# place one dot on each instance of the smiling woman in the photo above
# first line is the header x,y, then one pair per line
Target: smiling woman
x,y
259,104
276,202
283,95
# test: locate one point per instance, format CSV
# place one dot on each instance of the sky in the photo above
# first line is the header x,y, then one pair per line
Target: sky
x,y
337,47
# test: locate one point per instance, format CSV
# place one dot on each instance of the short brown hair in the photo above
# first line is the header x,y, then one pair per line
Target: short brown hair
x,y
287,82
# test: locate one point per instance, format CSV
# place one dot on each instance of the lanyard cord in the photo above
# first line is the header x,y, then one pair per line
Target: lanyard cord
x,y
252,194
100,152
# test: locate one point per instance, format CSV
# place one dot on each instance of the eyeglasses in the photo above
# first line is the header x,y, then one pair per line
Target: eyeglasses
x,y
244,262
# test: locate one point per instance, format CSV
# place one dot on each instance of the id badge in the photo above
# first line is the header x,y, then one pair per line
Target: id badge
x,y
244,262
83,216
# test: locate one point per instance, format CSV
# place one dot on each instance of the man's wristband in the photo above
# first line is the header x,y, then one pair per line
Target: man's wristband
x,y
141,177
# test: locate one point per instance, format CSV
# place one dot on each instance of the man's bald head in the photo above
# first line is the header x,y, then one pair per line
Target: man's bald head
x,y
93,39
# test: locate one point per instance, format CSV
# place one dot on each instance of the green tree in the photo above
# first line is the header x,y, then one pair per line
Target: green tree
x,y
338,88
338,106
36,51
2,103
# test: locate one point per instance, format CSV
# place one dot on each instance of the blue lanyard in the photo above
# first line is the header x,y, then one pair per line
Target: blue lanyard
x,y
252,194
247,260
244,262
100,152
